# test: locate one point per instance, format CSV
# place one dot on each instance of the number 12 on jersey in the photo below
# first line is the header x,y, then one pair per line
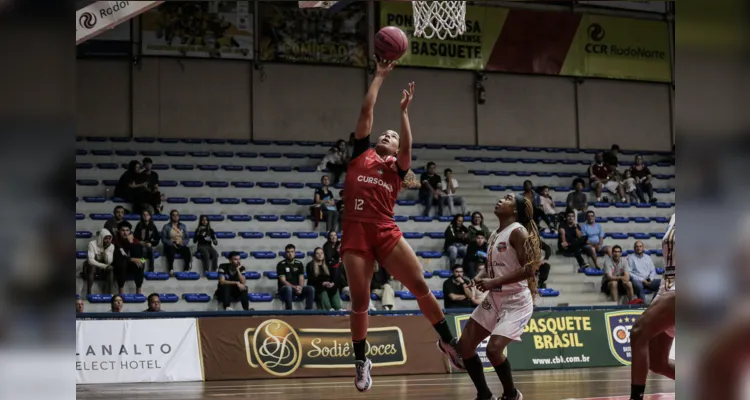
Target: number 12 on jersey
x,y
359,204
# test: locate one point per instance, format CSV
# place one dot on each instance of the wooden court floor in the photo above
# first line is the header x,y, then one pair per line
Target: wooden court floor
x,y
589,384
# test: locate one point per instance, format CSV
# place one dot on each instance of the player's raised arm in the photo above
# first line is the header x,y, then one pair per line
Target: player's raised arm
x,y
367,113
404,148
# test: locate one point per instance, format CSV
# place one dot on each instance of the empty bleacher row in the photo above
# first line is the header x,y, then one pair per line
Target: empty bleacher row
x,y
257,209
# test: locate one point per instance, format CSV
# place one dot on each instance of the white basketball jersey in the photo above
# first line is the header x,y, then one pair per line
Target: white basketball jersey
x,y
502,259
668,251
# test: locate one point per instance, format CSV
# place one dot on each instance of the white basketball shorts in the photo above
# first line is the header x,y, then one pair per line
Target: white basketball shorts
x,y
505,315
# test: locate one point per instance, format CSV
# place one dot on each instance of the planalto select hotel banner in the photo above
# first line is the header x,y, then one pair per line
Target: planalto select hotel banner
x,y
542,42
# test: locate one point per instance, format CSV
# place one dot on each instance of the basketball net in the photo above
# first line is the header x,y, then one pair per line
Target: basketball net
x,y
441,19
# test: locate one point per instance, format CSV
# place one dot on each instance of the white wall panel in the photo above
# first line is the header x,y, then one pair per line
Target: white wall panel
x,y
102,98
534,111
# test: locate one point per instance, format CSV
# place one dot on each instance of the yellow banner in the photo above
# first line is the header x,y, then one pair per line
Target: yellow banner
x,y
620,48
468,51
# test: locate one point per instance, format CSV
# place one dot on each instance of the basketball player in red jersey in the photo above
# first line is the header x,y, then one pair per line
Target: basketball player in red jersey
x,y
369,233
653,333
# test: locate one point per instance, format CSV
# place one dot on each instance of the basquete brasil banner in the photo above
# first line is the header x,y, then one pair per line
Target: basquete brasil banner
x,y
542,42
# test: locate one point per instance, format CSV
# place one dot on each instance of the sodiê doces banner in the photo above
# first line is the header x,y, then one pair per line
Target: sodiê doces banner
x,y
542,42
574,339
310,346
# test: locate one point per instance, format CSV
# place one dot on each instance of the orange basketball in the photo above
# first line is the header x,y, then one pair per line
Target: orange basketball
x,y
391,43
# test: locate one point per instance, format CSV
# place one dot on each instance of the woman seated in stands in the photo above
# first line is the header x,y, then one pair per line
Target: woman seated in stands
x,y
336,161
325,205
133,188
205,237
320,277
147,233
175,238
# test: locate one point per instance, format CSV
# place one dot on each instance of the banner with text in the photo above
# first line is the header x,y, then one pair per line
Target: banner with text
x,y
311,346
568,339
542,42
290,33
128,351
208,29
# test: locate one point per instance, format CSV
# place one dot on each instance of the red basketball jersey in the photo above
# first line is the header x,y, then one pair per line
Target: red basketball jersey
x,y
371,188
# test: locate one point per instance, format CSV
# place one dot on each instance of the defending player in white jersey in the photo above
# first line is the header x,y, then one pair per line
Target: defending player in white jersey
x,y
653,333
513,257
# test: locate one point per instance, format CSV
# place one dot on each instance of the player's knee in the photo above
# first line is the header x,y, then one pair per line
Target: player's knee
x,y
638,334
495,349
360,303
418,288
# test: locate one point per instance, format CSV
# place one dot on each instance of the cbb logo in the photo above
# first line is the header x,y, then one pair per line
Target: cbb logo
x,y
596,32
277,347
87,20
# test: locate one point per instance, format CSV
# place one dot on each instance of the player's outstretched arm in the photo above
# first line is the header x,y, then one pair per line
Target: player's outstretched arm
x,y
367,113
404,148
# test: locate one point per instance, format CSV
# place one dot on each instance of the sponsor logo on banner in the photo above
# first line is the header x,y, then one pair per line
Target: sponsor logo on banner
x,y
123,351
596,46
461,321
102,15
557,331
619,324
87,20
279,349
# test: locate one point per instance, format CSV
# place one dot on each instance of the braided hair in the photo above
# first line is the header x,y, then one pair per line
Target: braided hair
x,y
525,210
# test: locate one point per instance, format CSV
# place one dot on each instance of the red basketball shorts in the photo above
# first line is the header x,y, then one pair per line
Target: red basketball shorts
x,y
371,240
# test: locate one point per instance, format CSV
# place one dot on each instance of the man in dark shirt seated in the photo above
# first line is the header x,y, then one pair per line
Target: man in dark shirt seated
x,y
232,285
476,255
431,189
291,275
571,240
154,303
458,291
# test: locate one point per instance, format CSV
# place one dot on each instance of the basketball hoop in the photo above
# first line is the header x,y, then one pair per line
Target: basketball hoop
x,y
439,18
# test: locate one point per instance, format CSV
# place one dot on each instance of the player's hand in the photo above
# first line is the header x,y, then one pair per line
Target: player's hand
x,y
407,96
384,67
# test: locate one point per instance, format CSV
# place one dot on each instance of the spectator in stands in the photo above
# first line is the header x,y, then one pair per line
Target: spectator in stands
x,y
335,161
319,276
340,207
380,286
610,159
79,306
154,303
291,275
175,238
548,208
149,237
477,225
232,284
205,237
118,215
577,201
476,255
642,176
601,177
642,272
100,256
458,291
449,199
535,199
570,239
616,279
128,258
430,190
133,187
325,205
630,187
154,197
542,273
594,233
115,304
331,249
456,239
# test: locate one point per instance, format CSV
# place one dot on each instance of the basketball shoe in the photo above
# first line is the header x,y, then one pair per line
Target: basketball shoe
x,y
519,396
451,351
363,380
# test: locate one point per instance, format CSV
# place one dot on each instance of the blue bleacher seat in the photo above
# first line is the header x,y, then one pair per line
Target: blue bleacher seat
x,y
297,254
81,255
293,185
656,235
177,200
400,218
240,218
187,276
84,235
593,272
110,182
548,235
642,205
99,152
94,199
262,255
281,168
293,218
620,220
196,297
188,218
280,202
523,173
659,271
144,140
495,188
100,216
99,298
168,184
268,185
132,217
242,254
212,275
438,294
427,274
117,200
202,200
655,252
622,205
253,201
278,235
151,153
200,154
663,205
430,254
445,218
307,235
306,169
480,172
406,202
443,273
247,155
168,298
183,167
133,298
223,154
267,218
270,155
304,202
243,185
617,235
435,235
662,190
226,235
271,274
260,297
81,152
233,168
208,167
560,204
548,292
156,276
192,141
641,236
87,182
405,295
107,166
96,139
661,220
192,184
173,153
640,220
253,275
419,218
413,235
228,200
80,216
